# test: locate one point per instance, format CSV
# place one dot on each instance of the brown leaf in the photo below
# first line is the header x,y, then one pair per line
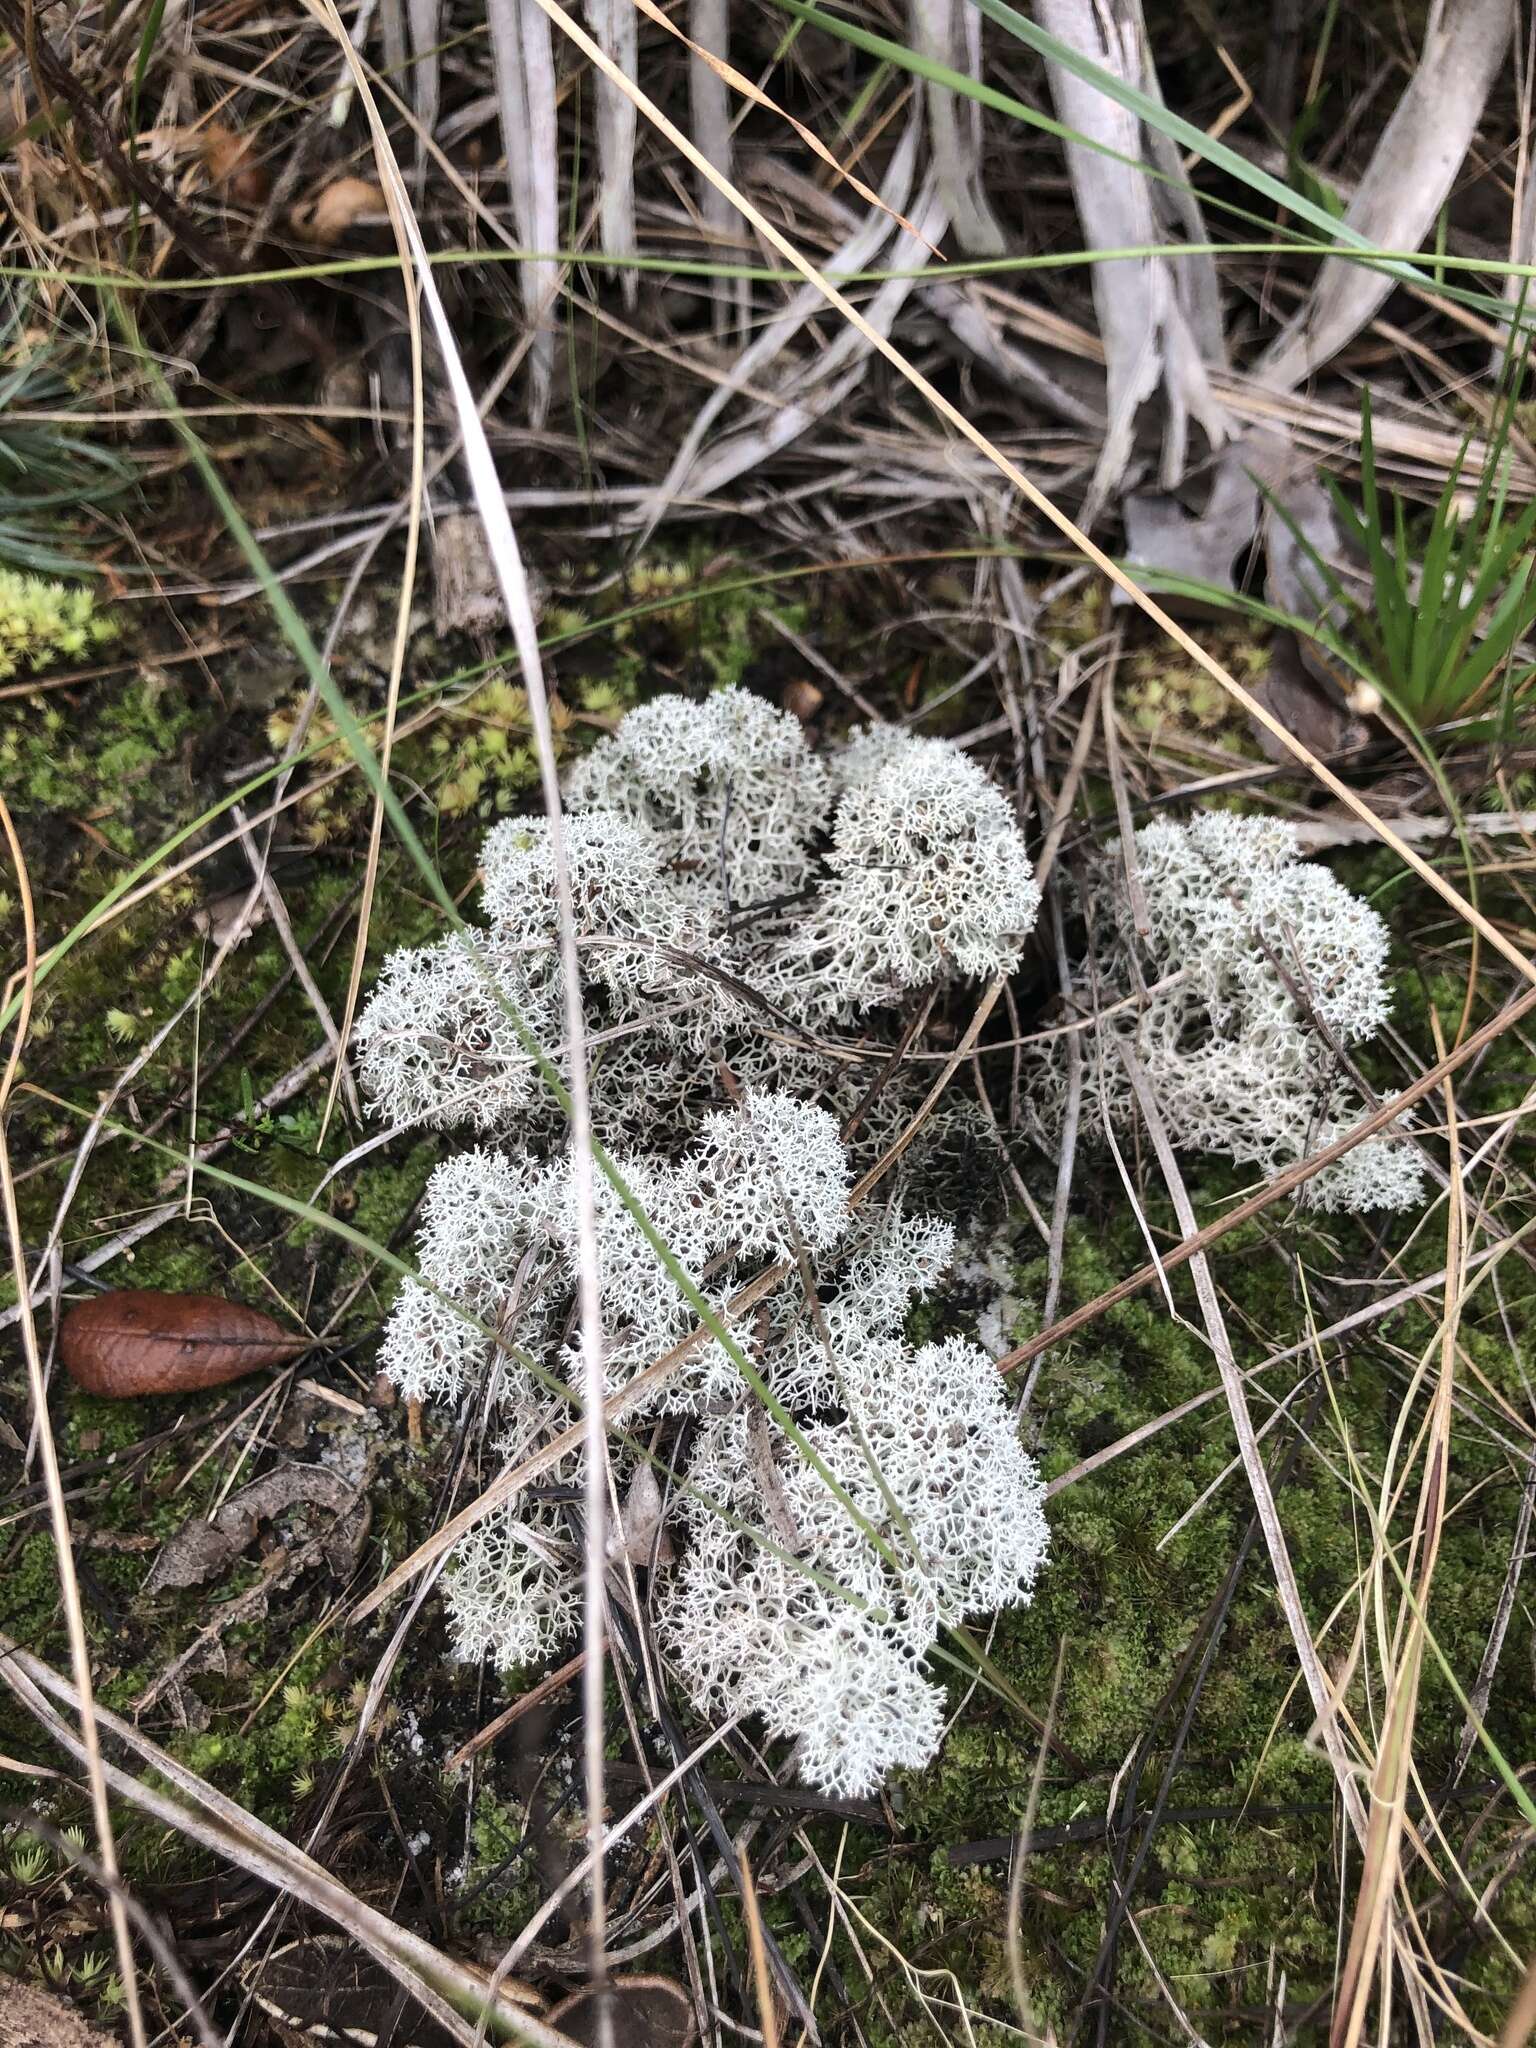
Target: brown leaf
x,y
641,1535
645,2012
1289,688
230,162
139,1341
343,203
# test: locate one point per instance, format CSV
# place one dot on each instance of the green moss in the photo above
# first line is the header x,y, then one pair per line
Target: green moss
x,y
1242,1879
42,622
90,770
498,1890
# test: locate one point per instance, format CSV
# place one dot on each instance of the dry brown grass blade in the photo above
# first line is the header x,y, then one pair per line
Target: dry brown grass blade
x,y
1049,510
63,1544
1370,1940
762,1987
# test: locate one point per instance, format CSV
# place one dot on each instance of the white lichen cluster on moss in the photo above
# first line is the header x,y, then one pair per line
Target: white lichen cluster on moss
x,y
752,922
42,622
1254,978
735,897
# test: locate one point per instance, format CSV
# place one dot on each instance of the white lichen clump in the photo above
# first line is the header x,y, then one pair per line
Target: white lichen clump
x,y
1254,978
736,899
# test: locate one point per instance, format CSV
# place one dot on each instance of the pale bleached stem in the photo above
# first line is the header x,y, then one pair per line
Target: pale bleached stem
x,y
426,24
709,108
1150,346
1406,183
523,56
949,32
615,25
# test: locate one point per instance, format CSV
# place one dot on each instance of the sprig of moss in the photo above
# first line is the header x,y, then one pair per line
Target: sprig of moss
x,y
42,622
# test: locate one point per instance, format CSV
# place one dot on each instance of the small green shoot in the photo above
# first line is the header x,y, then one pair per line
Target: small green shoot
x,y
1445,640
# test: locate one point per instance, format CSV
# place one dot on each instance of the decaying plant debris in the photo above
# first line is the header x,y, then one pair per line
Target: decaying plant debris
x,y
768,786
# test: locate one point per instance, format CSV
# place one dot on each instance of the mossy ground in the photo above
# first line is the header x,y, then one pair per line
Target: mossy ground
x,y
1240,1890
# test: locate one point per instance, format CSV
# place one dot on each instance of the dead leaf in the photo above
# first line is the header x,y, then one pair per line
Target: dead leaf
x,y
1163,534
229,159
641,1536
343,203
646,2012
466,595
203,1549
781,1516
1289,689
136,1340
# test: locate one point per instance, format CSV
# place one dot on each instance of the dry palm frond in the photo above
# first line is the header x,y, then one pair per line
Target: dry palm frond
x,y
1156,335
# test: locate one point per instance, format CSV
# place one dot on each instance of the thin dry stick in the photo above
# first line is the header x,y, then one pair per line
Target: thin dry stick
x,y
767,2011
513,584
536,1695
1044,505
63,1545
1324,1706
